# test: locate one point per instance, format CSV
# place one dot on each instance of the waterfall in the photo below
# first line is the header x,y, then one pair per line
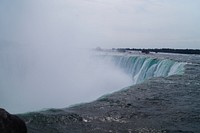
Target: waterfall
x,y
141,68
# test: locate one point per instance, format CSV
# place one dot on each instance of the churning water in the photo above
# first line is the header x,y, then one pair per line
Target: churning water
x,y
168,102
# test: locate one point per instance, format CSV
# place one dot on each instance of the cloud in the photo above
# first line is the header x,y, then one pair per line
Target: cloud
x,y
108,23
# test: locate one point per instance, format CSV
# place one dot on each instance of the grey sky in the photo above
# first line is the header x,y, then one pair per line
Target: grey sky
x,y
104,23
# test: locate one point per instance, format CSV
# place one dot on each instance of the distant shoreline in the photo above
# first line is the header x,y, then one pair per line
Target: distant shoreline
x,y
162,50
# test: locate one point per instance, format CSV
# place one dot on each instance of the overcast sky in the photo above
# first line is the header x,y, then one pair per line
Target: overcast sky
x,y
104,23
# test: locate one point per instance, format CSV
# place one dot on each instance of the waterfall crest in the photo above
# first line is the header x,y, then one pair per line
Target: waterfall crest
x,y
141,68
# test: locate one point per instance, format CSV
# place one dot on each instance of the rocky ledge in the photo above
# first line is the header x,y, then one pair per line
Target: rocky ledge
x,y
11,123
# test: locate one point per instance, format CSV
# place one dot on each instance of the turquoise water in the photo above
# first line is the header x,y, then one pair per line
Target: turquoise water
x,y
142,68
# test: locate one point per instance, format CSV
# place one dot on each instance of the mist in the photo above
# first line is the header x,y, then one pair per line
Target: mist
x,y
45,46
46,59
33,79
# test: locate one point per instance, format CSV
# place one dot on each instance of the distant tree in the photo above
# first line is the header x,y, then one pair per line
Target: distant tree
x,y
145,51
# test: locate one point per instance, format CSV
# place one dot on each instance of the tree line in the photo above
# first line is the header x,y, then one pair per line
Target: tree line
x,y
162,50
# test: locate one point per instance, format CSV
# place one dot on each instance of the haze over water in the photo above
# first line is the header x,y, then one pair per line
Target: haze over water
x,y
55,79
